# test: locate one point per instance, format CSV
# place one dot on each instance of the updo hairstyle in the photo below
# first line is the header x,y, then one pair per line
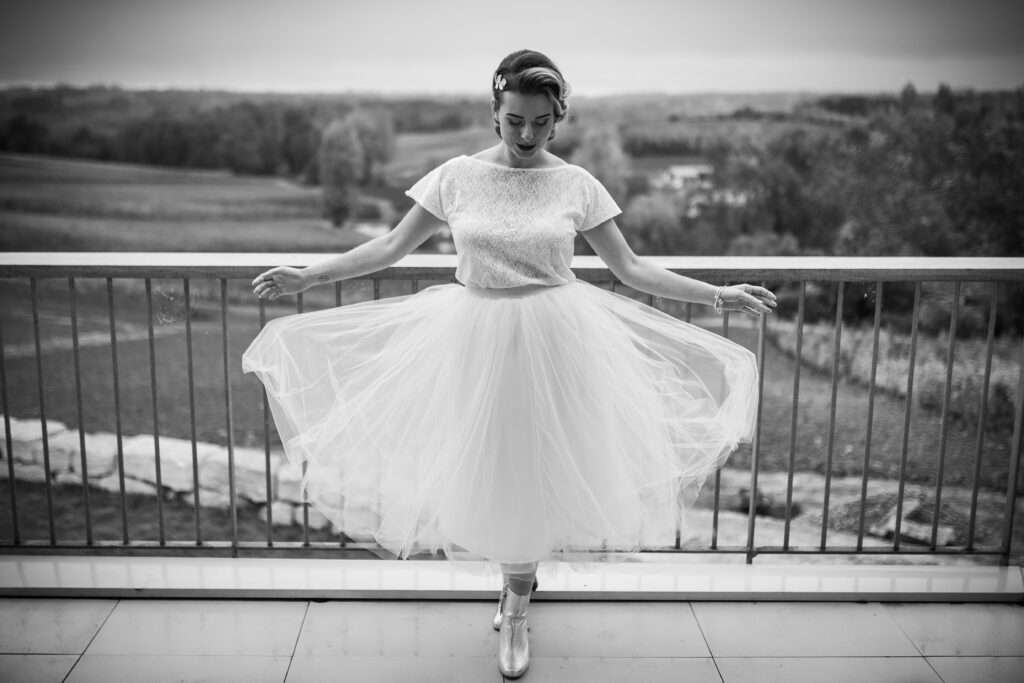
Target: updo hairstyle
x,y
531,73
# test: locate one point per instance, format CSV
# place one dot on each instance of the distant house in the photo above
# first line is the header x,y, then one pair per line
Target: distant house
x,y
695,179
693,176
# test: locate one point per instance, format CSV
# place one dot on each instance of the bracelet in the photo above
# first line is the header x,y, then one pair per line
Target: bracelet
x,y
717,303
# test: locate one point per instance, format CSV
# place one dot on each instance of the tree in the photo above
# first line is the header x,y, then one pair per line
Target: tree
x,y
653,225
908,97
25,136
376,132
600,152
341,166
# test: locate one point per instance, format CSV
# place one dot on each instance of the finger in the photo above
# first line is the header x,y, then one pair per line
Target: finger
x,y
756,305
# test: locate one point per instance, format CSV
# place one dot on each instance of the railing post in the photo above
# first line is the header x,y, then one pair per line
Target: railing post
x,y
1011,477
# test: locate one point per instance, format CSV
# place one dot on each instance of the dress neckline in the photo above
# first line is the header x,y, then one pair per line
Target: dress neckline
x,y
514,168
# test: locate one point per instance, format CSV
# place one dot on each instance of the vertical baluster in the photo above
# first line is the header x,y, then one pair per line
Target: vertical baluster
x,y
1011,479
337,302
415,285
117,412
192,411
678,544
944,419
906,415
376,289
756,446
305,497
266,445
837,338
718,472
227,409
83,462
12,487
871,414
800,312
982,414
47,474
156,418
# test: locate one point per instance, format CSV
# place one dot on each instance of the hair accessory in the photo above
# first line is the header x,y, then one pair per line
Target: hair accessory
x,y
499,82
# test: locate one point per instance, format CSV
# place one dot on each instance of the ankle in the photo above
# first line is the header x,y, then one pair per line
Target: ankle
x,y
520,584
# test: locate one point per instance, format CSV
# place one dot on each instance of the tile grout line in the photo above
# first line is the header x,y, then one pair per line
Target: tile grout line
x,y
888,609
295,645
89,644
700,628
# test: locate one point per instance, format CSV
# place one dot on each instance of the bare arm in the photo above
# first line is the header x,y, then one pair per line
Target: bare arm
x,y
369,257
611,246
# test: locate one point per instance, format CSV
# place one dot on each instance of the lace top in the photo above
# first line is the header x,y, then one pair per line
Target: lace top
x,y
513,226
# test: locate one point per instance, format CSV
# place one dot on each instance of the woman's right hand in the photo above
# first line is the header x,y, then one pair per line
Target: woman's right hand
x,y
278,282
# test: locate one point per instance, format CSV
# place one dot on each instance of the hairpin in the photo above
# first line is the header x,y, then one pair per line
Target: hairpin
x,y
499,82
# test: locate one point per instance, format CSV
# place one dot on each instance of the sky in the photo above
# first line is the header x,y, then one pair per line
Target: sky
x,y
438,46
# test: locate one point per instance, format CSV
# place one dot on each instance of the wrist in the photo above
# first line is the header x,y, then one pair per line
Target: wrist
x,y
716,298
307,278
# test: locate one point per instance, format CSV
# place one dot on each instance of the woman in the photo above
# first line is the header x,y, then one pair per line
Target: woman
x,y
522,412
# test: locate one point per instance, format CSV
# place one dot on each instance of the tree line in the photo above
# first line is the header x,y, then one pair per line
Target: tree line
x,y
905,175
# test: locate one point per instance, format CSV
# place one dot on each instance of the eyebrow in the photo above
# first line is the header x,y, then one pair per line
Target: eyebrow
x,y
517,116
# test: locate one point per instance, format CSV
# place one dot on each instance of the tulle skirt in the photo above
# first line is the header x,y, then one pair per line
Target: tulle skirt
x,y
513,425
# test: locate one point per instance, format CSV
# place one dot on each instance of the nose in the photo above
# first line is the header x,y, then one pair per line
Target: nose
x,y
527,134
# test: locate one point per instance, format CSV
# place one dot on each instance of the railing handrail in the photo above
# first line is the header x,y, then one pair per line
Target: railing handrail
x,y
235,264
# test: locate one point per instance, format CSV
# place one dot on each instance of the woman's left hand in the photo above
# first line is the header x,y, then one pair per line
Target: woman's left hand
x,y
748,299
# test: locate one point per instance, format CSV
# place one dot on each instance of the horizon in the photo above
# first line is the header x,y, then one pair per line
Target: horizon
x,y
402,48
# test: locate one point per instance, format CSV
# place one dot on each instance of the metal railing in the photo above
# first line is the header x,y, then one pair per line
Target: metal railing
x,y
110,274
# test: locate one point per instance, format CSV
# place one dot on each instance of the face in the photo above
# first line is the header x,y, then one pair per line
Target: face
x,y
525,120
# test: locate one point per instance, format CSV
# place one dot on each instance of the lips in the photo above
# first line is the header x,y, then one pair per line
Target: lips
x,y
525,148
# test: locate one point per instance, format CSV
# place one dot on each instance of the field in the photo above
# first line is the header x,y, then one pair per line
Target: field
x,y
61,205
48,204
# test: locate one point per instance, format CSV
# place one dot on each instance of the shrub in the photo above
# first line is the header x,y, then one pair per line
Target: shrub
x,y
930,371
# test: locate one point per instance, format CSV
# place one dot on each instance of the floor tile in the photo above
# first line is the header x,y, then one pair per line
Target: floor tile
x,y
966,629
373,628
50,626
200,627
821,629
615,629
387,669
975,669
831,669
35,668
171,668
616,670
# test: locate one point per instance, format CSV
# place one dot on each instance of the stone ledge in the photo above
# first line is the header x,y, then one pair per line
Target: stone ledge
x,y
163,577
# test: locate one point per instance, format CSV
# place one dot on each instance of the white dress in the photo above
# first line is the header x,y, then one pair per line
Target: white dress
x,y
516,416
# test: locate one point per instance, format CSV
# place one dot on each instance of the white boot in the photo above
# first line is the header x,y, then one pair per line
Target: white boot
x,y
513,640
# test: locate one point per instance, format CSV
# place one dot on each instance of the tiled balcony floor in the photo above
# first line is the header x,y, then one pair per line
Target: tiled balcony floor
x,y
57,639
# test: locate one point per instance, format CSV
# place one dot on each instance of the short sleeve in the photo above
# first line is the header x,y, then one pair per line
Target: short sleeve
x,y
432,190
598,203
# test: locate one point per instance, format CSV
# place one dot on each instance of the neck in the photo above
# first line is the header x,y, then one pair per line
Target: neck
x,y
506,157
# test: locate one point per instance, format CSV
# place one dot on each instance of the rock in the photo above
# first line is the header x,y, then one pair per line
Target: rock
x,y
282,512
317,519
100,453
910,530
27,438
131,486
289,482
25,472
175,460
250,473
